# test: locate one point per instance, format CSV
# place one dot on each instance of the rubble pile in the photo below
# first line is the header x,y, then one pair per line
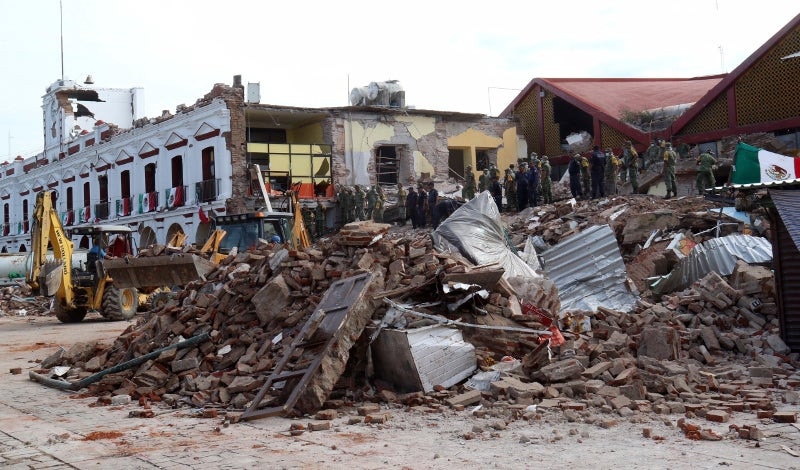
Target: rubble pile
x,y
16,301
255,302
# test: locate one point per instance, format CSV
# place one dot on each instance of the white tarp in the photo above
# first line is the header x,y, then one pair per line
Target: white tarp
x,y
476,231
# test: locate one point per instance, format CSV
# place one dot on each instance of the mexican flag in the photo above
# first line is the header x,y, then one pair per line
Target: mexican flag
x,y
175,197
147,202
755,165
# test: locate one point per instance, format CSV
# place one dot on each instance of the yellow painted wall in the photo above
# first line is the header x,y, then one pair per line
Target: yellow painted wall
x,y
471,139
363,139
308,134
418,126
421,164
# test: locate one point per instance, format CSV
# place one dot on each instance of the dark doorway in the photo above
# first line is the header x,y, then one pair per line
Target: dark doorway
x,y
481,160
87,194
386,164
103,181
125,183
456,163
208,163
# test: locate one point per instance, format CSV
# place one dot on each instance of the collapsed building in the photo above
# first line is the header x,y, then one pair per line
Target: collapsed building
x,y
110,164
757,101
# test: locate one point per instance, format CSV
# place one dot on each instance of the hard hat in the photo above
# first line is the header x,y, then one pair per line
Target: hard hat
x,y
276,239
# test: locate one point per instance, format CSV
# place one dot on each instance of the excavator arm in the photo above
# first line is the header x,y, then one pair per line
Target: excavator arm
x,y
300,238
47,229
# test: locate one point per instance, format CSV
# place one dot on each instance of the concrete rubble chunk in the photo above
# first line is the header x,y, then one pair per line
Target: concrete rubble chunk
x,y
660,343
560,371
272,299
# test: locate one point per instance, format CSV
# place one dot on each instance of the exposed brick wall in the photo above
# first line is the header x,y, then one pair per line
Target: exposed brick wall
x,y
236,143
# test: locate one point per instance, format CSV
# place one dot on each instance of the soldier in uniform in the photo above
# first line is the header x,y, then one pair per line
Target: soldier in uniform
x,y
522,186
669,170
683,150
650,155
510,187
630,162
380,204
547,182
497,193
612,171
359,197
705,171
341,201
372,196
585,178
401,204
483,181
492,173
320,218
533,181
422,204
574,170
468,192
598,168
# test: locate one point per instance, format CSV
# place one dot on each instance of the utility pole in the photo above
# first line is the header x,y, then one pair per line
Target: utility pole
x,y
61,17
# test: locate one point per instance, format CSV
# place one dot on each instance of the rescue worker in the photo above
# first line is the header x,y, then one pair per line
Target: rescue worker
x,y
587,182
380,204
510,187
533,181
612,171
630,162
411,204
497,192
483,180
574,170
492,173
522,186
650,155
705,171
547,182
598,169
320,218
359,197
372,197
422,204
468,192
683,150
433,199
401,204
308,220
341,201
669,170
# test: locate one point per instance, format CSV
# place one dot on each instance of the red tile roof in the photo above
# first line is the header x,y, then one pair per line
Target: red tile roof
x,y
612,95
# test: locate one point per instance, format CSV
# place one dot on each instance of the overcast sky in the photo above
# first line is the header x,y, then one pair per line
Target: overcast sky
x,y
448,55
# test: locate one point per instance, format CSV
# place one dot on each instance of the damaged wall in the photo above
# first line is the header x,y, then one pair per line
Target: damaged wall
x,y
422,143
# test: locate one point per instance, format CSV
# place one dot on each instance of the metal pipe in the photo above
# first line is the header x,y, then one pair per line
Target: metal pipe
x,y
74,386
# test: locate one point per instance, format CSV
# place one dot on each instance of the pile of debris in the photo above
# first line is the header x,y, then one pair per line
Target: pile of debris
x,y
17,301
709,350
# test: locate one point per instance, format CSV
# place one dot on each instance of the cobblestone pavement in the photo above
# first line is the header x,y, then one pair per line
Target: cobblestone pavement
x,y
46,428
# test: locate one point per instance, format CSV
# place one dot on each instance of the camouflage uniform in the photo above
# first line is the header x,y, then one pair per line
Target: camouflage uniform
x,y
705,173
587,181
401,204
669,171
468,192
510,186
483,181
319,217
380,204
630,160
372,197
612,172
650,155
308,220
547,182
359,197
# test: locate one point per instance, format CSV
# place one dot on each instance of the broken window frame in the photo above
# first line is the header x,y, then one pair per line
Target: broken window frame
x,y
387,164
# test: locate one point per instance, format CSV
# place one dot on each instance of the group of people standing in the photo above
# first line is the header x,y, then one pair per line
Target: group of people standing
x,y
424,207
357,204
524,186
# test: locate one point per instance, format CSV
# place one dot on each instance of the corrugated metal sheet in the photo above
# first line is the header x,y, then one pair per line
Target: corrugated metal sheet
x,y
788,204
718,255
787,281
768,184
589,271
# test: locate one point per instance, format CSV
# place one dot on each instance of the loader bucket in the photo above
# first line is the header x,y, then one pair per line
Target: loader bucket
x,y
167,270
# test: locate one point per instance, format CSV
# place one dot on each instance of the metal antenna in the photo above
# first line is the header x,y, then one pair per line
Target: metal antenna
x,y
61,14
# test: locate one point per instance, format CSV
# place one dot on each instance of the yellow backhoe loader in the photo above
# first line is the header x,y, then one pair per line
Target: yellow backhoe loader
x,y
77,289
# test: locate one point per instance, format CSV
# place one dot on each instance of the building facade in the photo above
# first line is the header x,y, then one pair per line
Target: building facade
x,y
176,172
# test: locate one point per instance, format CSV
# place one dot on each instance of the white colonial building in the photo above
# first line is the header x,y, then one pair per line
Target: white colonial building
x,y
155,175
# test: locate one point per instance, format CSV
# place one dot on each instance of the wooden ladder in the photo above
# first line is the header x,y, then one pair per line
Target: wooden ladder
x,y
316,337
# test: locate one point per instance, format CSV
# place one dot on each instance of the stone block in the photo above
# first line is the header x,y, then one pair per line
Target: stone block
x,y
560,371
467,398
718,416
272,299
660,343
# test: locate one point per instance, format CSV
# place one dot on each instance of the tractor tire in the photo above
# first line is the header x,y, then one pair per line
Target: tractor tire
x,y
119,304
68,316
